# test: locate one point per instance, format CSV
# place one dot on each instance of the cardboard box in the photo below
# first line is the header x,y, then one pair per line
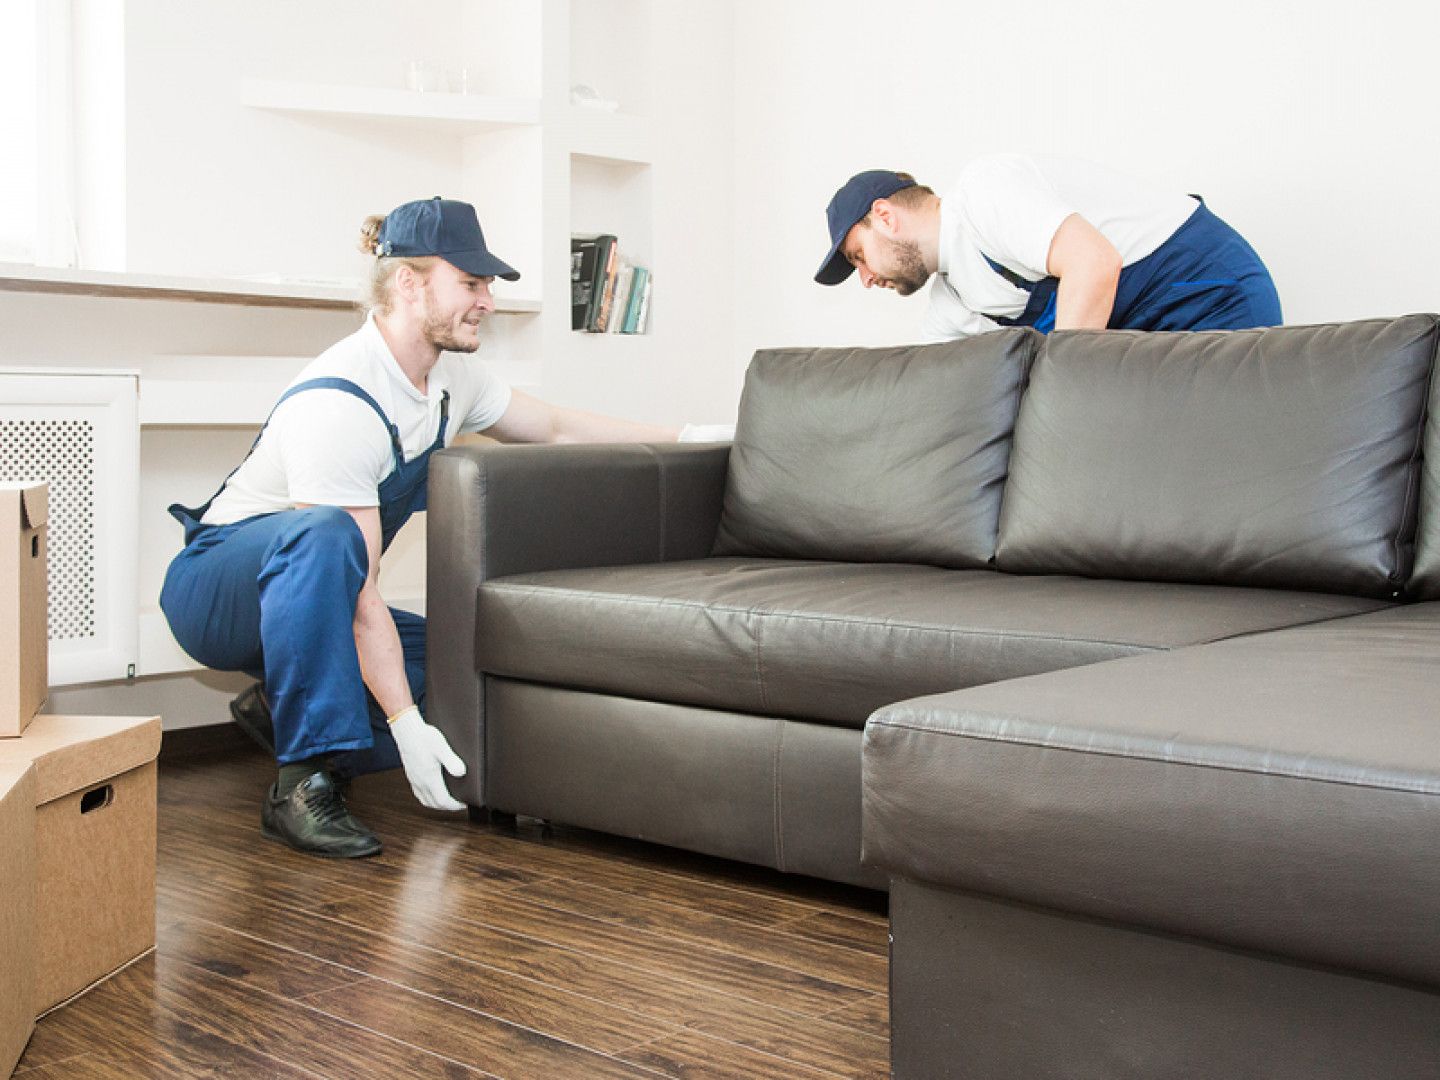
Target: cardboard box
x,y
17,912
94,846
24,604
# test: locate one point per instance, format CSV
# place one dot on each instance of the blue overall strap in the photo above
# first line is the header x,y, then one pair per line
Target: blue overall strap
x,y
444,417
1040,309
1009,275
405,490
331,382
189,516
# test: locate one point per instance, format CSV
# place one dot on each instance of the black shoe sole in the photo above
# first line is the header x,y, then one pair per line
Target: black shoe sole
x,y
270,834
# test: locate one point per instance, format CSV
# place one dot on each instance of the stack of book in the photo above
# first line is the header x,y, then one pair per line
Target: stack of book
x,y
608,293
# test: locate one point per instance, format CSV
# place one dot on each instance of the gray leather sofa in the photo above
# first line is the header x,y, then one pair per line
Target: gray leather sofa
x,y
1148,621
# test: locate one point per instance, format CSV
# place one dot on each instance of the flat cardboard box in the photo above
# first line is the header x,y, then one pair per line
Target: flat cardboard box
x,y
94,846
24,604
17,912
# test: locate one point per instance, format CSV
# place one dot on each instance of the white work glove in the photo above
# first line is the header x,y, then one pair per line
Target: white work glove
x,y
707,433
423,750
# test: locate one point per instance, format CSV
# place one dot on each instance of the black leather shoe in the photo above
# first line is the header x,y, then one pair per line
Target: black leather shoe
x,y
314,819
252,715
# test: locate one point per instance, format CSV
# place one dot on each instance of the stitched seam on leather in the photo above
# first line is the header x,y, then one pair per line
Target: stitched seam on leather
x,y
853,620
482,766
760,662
779,815
1414,788
1385,605
482,491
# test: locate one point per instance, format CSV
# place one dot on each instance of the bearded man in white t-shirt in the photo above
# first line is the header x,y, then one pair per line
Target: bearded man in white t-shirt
x,y
278,574
1050,243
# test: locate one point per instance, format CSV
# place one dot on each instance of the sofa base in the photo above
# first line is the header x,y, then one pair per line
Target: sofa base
x,y
764,790
983,988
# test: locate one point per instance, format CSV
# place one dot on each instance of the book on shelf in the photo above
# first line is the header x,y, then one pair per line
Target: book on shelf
x,y
642,319
608,293
591,261
631,320
612,282
624,279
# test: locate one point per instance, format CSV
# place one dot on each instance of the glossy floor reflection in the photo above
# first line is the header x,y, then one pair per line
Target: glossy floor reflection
x,y
465,950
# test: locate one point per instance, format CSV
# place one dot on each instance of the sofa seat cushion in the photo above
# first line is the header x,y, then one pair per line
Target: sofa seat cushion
x,y
1278,792
834,641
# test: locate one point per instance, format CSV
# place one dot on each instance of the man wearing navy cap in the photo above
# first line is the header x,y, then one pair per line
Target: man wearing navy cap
x,y
1047,242
278,574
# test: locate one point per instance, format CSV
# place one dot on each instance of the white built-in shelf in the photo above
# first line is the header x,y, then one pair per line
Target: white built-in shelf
x,y
617,137
20,277
460,113
179,390
600,343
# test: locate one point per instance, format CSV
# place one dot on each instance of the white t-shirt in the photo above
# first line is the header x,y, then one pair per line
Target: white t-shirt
x,y
328,447
1009,207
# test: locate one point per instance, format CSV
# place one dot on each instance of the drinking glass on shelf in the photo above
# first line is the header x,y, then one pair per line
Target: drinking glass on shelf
x,y
464,79
422,76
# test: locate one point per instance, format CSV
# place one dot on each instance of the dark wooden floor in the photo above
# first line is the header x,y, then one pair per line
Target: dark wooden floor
x,y
469,950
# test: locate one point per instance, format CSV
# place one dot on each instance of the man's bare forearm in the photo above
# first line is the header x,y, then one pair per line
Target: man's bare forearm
x,y
382,660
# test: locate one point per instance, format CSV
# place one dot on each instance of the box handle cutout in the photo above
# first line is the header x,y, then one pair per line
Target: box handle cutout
x,y
97,799
34,547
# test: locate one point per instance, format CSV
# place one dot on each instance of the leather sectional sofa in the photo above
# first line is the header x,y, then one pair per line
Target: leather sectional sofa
x,y
1137,633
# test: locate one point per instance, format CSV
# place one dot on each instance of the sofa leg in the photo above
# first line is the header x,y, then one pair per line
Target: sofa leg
x,y
484,815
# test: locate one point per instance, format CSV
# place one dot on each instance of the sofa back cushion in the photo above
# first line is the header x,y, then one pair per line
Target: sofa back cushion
x,y
875,455
1285,458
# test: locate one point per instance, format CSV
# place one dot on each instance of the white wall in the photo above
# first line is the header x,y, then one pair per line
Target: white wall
x,y
216,188
1308,126
18,196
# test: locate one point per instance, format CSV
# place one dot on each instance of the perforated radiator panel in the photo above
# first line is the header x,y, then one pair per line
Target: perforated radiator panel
x,y
62,453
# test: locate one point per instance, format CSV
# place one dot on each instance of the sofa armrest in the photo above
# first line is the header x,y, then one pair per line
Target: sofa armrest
x,y
499,510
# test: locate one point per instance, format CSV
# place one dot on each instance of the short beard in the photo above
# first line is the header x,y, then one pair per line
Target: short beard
x,y
908,268
438,331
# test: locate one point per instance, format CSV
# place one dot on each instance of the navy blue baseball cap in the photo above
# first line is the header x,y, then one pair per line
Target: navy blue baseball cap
x,y
850,204
445,228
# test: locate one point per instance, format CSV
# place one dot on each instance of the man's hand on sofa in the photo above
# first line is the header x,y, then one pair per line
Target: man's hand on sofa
x,y
423,752
707,433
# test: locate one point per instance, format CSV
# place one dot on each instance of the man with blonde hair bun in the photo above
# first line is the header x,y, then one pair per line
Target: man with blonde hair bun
x,y
278,574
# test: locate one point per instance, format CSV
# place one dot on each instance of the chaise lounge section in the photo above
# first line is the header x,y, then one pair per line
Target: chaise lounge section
x,y
1221,861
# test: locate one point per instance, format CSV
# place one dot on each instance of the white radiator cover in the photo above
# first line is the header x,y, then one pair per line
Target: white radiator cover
x,y
79,432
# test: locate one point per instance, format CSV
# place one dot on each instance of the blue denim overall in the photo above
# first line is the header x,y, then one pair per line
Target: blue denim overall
x,y
274,596
1205,277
